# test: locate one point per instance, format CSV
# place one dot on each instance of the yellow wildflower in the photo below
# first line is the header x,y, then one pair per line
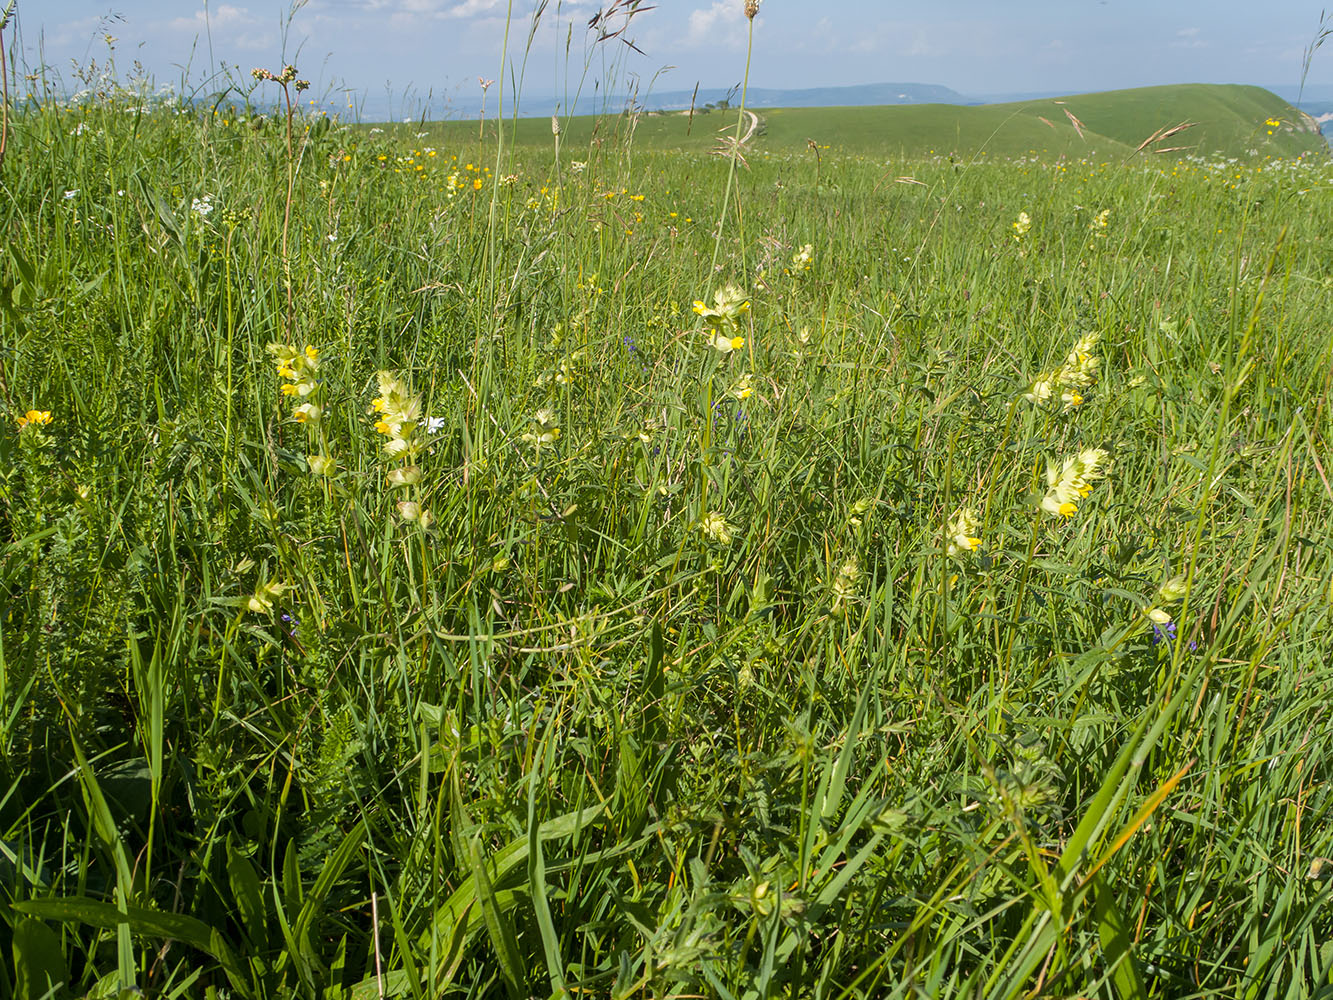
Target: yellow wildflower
x,y
961,530
262,599
729,304
714,526
409,476
34,418
547,430
722,343
1071,482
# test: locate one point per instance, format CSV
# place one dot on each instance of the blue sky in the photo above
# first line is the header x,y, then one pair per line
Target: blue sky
x,y
974,46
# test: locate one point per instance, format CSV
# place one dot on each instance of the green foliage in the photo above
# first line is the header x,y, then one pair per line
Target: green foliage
x,y
626,659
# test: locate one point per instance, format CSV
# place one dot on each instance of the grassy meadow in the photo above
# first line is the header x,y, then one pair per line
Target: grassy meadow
x,y
1222,121
436,567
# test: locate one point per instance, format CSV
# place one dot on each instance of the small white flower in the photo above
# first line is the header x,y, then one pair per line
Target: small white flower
x,y
435,424
71,194
202,206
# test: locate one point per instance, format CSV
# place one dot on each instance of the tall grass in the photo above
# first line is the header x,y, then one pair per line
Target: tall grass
x,y
264,737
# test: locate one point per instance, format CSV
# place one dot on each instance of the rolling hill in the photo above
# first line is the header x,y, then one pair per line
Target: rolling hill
x,y
1227,120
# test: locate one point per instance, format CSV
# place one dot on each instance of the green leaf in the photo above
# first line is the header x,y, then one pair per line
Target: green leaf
x,y
39,960
247,895
1113,932
140,920
541,906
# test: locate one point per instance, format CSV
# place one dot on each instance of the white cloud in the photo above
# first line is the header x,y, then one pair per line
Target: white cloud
x,y
225,16
723,19
231,27
922,46
1188,38
403,10
78,30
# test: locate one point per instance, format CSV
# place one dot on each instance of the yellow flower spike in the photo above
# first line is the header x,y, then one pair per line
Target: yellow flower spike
x,y
1173,590
409,476
961,531
714,526
1071,481
288,389
321,465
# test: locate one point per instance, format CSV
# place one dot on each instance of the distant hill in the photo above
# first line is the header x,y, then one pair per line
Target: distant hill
x,y
814,97
1227,120
1224,120
459,104
375,108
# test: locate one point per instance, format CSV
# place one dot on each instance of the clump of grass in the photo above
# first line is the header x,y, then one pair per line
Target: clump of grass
x,y
608,654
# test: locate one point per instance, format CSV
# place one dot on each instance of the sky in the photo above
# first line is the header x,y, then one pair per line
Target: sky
x,y
383,48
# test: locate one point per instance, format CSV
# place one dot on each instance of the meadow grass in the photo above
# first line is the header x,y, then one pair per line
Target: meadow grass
x,y
611,645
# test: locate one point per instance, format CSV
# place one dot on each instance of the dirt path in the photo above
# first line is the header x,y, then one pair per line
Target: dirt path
x,y
754,126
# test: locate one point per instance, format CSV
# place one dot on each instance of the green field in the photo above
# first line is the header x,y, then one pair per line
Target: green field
x,y
418,582
1225,121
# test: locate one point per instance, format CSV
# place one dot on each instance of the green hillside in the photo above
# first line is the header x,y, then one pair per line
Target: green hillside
x,y
1229,120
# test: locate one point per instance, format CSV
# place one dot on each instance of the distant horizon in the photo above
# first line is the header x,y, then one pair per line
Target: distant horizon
x,y
386,109
380,50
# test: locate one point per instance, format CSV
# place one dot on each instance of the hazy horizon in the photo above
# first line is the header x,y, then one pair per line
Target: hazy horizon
x,y
373,53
